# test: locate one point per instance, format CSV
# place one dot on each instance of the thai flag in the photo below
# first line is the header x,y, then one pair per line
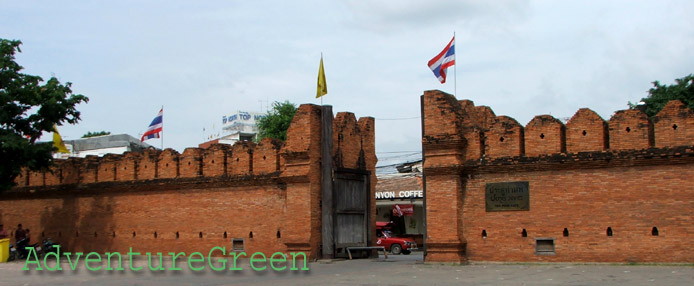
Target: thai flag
x,y
155,127
443,60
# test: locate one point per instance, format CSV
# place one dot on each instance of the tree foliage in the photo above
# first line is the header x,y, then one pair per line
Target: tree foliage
x,y
276,123
96,133
28,108
659,95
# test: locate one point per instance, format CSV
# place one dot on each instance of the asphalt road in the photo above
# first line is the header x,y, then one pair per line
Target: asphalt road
x,y
395,270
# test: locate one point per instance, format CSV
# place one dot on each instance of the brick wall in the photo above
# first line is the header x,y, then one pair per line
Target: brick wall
x,y
267,194
631,200
629,174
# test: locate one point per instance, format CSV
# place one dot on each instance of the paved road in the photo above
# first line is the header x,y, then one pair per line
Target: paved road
x,y
396,270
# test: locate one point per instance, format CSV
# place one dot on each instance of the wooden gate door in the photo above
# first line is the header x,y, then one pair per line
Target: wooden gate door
x,y
351,209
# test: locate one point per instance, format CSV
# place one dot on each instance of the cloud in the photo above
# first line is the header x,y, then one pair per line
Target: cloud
x,y
408,15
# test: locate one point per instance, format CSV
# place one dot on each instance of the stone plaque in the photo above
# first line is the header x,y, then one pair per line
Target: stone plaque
x,y
507,196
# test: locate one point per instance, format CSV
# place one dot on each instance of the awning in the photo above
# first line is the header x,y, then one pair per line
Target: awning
x,y
417,202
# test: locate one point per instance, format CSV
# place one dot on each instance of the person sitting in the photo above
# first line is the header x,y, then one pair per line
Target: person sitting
x,y
20,233
20,240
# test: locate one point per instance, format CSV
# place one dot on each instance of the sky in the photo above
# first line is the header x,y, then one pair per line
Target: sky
x,y
202,60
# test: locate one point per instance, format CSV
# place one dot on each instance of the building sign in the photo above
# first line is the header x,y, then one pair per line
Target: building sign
x,y
400,210
243,117
399,195
507,196
242,121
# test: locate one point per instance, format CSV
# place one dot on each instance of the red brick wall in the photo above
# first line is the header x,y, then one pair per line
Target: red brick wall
x,y
586,176
106,220
270,189
630,200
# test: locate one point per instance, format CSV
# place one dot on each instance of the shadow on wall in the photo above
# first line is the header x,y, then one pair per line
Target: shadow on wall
x,y
81,224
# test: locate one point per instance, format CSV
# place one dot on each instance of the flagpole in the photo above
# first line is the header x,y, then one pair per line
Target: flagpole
x,y
321,59
455,72
162,127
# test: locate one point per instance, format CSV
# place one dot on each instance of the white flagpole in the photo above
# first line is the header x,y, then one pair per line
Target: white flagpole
x,y
455,70
162,127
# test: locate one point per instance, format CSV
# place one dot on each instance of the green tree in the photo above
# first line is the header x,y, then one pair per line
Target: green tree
x,y
276,123
29,108
659,95
94,134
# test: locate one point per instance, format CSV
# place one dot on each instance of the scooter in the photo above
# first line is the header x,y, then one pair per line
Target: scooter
x,y
13,253
49,246
20,251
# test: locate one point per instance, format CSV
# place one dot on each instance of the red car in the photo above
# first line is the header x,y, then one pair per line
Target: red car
x,y
395,245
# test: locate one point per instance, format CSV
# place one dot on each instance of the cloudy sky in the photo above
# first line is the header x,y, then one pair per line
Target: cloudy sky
x,y
205,59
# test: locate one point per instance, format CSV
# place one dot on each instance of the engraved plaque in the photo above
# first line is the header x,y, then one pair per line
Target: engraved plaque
x,y
507,196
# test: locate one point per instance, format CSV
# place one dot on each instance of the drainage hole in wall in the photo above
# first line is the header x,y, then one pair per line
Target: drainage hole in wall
x,y
544,246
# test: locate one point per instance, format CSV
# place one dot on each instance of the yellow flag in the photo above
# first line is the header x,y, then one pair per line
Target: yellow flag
x,y
322,86
58,141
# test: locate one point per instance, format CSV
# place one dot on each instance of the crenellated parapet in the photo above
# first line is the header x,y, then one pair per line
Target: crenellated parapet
x,y
674,125
495,188
504,138
349,139
451,125
586,131
265,195
243,159
630,130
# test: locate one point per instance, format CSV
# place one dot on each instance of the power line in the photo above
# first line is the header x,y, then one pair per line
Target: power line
x,y
392,152
403,118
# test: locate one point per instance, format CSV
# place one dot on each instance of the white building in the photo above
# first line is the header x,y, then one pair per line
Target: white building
x,y
101,145
237,126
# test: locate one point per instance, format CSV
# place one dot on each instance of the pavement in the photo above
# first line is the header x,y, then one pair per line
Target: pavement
x,y
395,270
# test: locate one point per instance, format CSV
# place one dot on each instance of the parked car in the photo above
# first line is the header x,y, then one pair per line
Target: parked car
x,y
395,245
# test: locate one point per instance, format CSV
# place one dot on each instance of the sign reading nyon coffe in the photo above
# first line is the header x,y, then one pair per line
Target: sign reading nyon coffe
x,y
507,196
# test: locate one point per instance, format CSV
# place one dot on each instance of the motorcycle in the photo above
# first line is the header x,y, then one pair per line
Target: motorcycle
x,y
49,246
20,252
13,253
